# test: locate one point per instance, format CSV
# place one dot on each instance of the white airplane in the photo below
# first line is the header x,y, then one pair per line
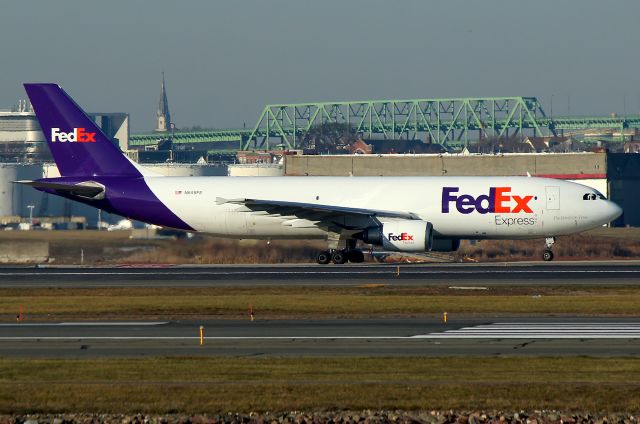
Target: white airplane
x,y
405,214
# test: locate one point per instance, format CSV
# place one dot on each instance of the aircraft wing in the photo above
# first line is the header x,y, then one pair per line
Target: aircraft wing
x,y
314,211
89,189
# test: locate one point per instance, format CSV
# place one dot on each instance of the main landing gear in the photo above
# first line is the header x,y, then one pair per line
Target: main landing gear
x,y
547,254
340,256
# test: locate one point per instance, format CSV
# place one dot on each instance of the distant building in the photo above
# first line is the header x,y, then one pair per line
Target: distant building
x,y
632,147
360,147
253,157
21,140
163,123
366,147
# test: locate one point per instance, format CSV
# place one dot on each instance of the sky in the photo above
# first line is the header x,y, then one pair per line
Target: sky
x,y
225,59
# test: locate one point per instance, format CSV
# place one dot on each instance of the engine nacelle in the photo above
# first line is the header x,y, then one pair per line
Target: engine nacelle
x,y
445,245
400,236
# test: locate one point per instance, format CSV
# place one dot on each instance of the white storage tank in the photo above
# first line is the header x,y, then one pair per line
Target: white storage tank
x,y
8,194
15,198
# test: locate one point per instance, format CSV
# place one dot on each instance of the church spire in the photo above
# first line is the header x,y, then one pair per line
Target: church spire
x,y
162,115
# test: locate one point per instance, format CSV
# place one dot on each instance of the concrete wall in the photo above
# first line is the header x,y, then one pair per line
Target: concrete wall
x,y
454,165
187,170
256,170
24,251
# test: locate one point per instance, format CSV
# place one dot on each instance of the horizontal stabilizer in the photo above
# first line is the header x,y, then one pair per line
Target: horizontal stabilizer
x,y
86,189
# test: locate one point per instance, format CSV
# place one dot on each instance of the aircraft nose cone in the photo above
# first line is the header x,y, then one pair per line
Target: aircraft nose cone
x,y
613,210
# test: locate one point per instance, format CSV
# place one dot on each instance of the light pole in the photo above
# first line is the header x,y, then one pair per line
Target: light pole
x,y
31,215
173,132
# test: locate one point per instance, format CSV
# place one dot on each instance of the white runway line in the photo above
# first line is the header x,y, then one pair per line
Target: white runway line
x,y
88,324
213,338
542,331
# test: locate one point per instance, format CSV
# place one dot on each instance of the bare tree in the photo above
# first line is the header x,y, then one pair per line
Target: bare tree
x,y
329,137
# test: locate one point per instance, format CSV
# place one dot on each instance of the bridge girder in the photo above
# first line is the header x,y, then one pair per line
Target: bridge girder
x,y
440,120
445,121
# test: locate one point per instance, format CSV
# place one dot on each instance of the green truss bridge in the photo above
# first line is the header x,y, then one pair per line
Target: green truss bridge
x,y
446,121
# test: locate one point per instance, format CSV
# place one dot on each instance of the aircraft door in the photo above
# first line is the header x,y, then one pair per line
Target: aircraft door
x,y
553,197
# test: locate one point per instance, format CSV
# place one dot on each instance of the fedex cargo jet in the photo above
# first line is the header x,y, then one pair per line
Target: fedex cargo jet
x,y
405,214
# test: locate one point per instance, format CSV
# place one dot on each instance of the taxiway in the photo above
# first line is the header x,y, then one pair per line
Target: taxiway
x,y
495,274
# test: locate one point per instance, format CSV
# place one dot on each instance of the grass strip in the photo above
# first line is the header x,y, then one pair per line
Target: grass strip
x,y
212,385
144,303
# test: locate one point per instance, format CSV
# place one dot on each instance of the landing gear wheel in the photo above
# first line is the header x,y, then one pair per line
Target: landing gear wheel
x,y
355,256
338,257
323,258
547,255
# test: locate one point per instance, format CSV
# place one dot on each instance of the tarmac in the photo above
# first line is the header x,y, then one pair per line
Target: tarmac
x,y
531,336
494,274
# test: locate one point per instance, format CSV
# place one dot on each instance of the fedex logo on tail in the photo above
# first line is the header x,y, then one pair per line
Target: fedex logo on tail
x,y
78,135
499,200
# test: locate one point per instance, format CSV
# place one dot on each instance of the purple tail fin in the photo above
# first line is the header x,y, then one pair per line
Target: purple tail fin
x,y
77,144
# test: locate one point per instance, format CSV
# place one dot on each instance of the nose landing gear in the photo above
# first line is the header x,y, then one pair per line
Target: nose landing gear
x,y
547,254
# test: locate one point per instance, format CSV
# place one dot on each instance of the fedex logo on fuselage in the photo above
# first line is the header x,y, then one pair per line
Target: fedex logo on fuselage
x,y
499,200
78,135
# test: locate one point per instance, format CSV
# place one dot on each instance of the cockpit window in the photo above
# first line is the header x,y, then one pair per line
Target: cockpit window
x,y
593,196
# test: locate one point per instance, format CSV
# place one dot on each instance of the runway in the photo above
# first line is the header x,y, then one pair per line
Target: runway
x,y
494,274
374,337
335,337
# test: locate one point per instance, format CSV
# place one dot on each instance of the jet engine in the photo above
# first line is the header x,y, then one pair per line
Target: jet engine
x,y
400,236
445,245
